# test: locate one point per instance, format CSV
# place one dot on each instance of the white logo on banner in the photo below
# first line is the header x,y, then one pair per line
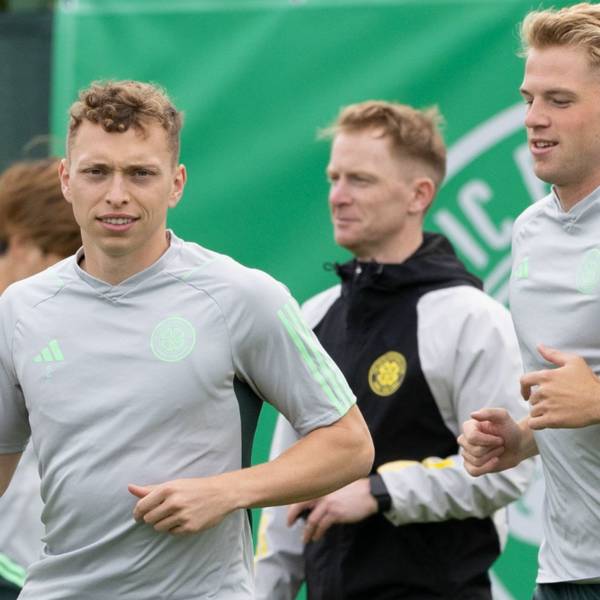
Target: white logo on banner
x,y
476,193
525,515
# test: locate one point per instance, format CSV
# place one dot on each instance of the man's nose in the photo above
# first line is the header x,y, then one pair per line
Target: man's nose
x,y
338,193
536,115
117,193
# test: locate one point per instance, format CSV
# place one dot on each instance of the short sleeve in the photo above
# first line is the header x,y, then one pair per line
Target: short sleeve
x,y
278,355
14,423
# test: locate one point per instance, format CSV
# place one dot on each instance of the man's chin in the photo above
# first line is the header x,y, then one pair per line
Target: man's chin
x,y
344,241
545,173
546,177
117,247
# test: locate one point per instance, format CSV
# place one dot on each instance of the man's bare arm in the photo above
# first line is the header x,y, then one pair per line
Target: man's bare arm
x,y
325,459
8,464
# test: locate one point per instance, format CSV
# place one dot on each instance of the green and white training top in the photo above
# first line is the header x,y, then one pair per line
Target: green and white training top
x,y
555,301
158,378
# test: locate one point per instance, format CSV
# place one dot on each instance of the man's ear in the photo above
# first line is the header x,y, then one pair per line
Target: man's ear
x,y
63,174
423,189
178,185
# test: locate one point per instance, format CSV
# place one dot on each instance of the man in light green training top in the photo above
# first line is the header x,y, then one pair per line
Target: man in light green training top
x,y
555,300
138,368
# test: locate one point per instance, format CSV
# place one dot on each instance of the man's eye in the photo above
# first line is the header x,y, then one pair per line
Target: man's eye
x,y
561,103
94,171
142,173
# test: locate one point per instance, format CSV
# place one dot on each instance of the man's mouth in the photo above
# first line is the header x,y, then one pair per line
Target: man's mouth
x,y
117,220
538,144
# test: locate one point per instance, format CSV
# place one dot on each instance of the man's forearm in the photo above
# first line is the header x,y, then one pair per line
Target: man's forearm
x,y
324,460
440,489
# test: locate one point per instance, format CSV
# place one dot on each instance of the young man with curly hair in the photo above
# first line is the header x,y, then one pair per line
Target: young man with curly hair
x,y
138,368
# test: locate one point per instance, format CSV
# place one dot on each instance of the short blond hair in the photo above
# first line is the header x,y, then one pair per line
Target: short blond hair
x,y
577,26
413,133
118,105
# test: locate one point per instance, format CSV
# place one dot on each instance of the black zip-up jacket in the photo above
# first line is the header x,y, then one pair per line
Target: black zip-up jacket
x,y
374,560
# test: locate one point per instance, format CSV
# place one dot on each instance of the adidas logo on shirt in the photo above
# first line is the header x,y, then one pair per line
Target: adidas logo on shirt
x,y
51,353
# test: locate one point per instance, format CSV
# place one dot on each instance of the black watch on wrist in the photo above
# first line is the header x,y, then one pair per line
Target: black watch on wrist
x,y
380,492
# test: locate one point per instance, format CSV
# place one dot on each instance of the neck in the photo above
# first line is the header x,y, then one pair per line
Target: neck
x,y
115,267
397,253
569,196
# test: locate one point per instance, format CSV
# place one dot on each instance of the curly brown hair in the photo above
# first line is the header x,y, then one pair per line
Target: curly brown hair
x,y
32,206
577,26
413,133
119,105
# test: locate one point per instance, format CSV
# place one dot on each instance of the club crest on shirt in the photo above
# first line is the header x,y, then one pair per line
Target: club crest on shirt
x,y
387,373
588,273
173,339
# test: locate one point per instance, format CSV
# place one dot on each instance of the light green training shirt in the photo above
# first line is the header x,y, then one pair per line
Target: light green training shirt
x,y
555,301
158,378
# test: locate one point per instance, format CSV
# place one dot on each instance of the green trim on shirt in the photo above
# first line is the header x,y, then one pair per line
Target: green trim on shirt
x,y
339,396
11,571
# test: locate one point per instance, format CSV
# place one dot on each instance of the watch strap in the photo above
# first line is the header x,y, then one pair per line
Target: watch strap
x,y
380,492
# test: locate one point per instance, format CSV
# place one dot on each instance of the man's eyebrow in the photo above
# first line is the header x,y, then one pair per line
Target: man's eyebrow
x,y
94,163
142,165
98,163
551,92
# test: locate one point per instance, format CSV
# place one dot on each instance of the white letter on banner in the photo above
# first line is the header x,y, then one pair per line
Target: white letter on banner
x,y
471,198
461,238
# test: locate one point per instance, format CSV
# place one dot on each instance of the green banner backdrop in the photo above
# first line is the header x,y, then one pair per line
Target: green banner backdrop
x,y
256,78
24,80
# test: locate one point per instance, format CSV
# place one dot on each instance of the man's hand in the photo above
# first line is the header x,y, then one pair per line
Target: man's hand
x,y
323,460
492,441
182,506
568,396
350,504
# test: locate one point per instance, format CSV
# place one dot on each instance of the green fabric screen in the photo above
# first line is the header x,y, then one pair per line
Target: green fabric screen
x,y
257,78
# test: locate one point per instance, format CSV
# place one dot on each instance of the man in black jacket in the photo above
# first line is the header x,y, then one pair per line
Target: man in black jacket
x,y
422,347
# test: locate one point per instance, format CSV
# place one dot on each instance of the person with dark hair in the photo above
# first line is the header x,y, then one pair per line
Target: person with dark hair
x,y
554,298
138,368
37,229
421,346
